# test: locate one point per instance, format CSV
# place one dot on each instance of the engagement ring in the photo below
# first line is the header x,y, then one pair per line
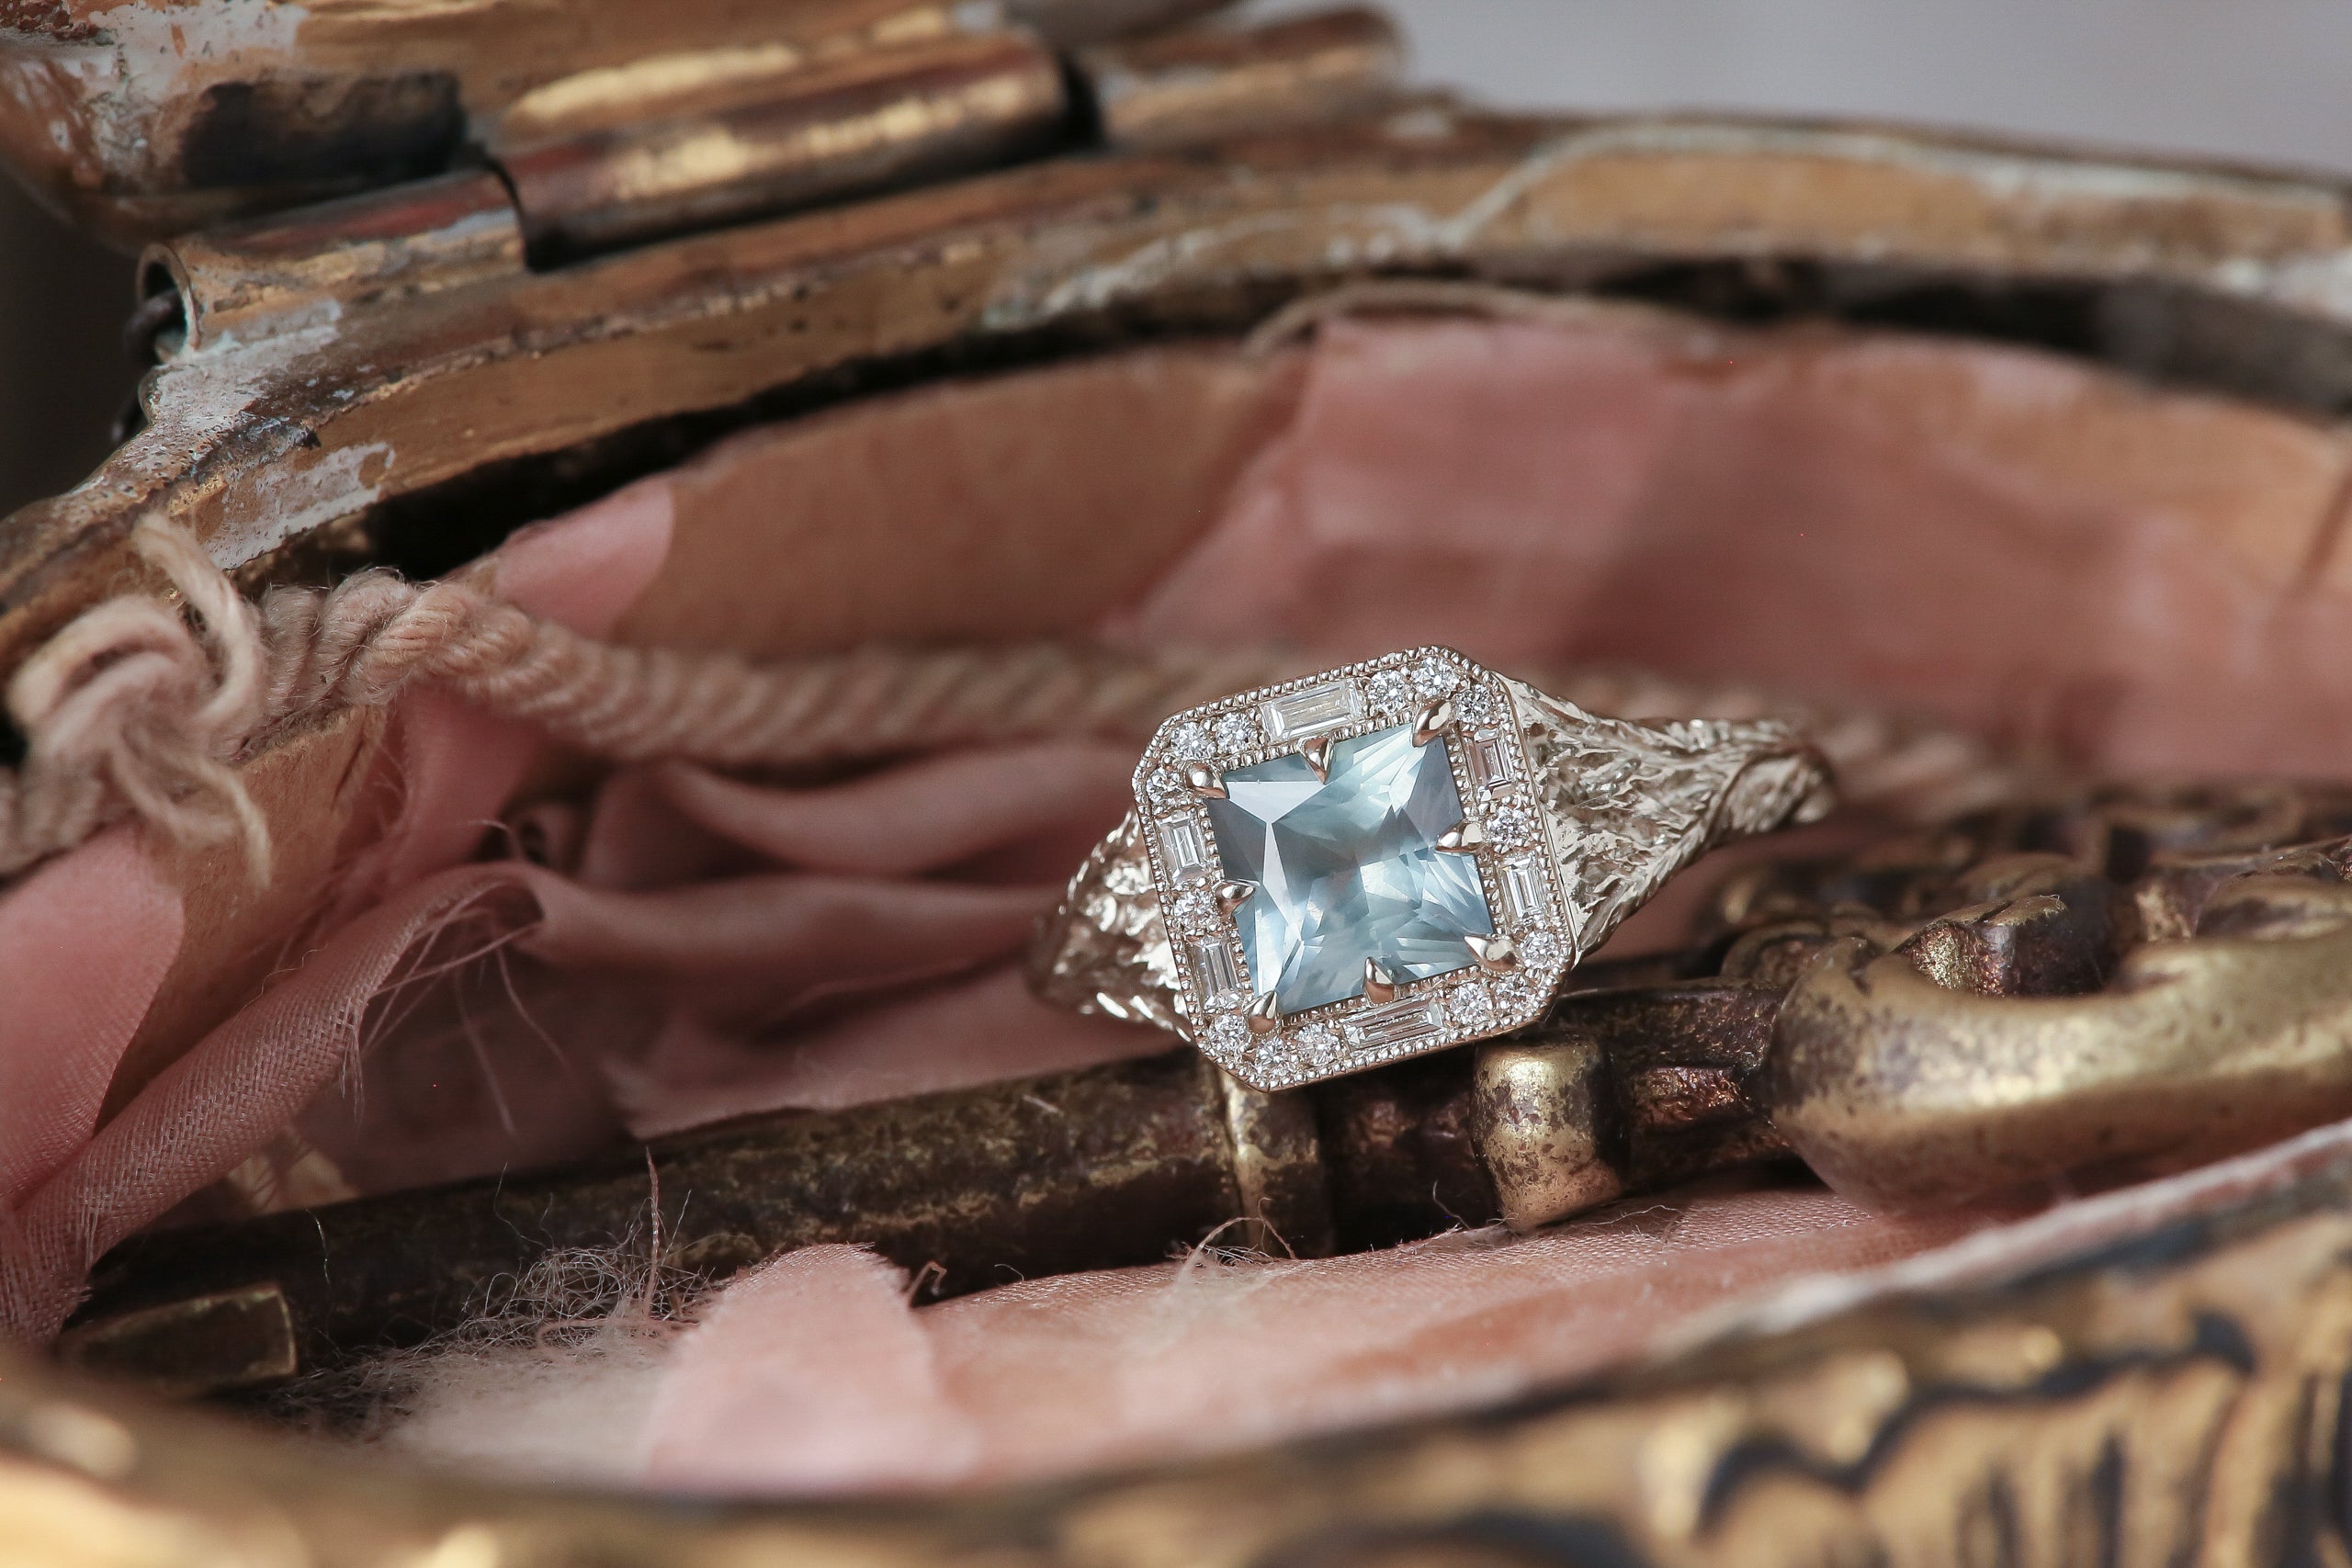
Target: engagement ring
x,y
1391,857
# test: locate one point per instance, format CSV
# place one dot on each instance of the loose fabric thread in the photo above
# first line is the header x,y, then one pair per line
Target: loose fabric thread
x,y
141,708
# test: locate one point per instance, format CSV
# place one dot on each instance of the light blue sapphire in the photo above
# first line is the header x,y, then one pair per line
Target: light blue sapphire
x,y
1347,868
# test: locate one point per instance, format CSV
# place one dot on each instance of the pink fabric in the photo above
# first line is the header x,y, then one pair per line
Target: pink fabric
x,y
2027,546
84,943
726,948
103,917
814,1375
226,1098
812,1368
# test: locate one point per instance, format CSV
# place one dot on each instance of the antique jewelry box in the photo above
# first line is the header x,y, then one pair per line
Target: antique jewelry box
x,y
1016,290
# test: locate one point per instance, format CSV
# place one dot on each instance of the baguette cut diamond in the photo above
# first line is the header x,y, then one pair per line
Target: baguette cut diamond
x,y
1313,711
1416,1020
1187,848
1212,962
1347,868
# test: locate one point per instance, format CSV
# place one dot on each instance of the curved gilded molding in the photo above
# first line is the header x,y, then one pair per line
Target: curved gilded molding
x,y
305,427
2159,1377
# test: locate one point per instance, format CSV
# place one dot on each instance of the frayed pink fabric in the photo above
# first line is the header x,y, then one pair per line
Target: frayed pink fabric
x,y
810,1369
102,916
814,1375
724,949
84,943
226,1098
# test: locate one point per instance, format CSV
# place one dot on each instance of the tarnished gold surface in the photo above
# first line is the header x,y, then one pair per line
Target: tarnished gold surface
x,y
1192,85
302,270
2182,1402
1903,1092
667,85
216,1343
144,120
802,135
400,397
1542,1129
1278,1170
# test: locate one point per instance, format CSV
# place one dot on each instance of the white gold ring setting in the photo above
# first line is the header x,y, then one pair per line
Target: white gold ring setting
x,y
1394,857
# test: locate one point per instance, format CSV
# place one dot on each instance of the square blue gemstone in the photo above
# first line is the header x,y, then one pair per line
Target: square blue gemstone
x,y
1347,868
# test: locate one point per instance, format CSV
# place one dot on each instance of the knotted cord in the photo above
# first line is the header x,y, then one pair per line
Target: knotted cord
x,y
143,709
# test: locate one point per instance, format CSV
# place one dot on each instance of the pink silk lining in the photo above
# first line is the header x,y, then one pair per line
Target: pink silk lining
x,y
2024,546
70,1196
84,943
1091,1370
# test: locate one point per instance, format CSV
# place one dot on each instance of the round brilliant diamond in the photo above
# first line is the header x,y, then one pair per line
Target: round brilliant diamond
x,y
1168,787
1539,950
1318,1044
1235,731
1190,741
1230,1035
1519,993
1390,691
1434,677
1472,1006
1477,705
1510,825
1194,910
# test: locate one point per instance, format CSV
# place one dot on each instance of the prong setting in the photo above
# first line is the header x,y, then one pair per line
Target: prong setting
x,y
1496,954
1265,1015
1465,837
1231,896
1434,719
1205,782
1318,752
1379,985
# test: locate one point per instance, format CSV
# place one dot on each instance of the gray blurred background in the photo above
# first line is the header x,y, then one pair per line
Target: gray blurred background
x,y
2260,80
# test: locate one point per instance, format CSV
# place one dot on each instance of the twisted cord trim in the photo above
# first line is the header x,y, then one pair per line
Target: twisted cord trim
x,y
142,709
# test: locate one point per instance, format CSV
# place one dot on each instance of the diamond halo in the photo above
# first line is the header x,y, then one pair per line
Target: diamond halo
x,y
1429,998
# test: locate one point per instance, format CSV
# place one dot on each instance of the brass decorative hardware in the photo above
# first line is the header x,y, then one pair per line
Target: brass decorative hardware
x,y
142,124
385,249
1171,88
794,136
696,140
